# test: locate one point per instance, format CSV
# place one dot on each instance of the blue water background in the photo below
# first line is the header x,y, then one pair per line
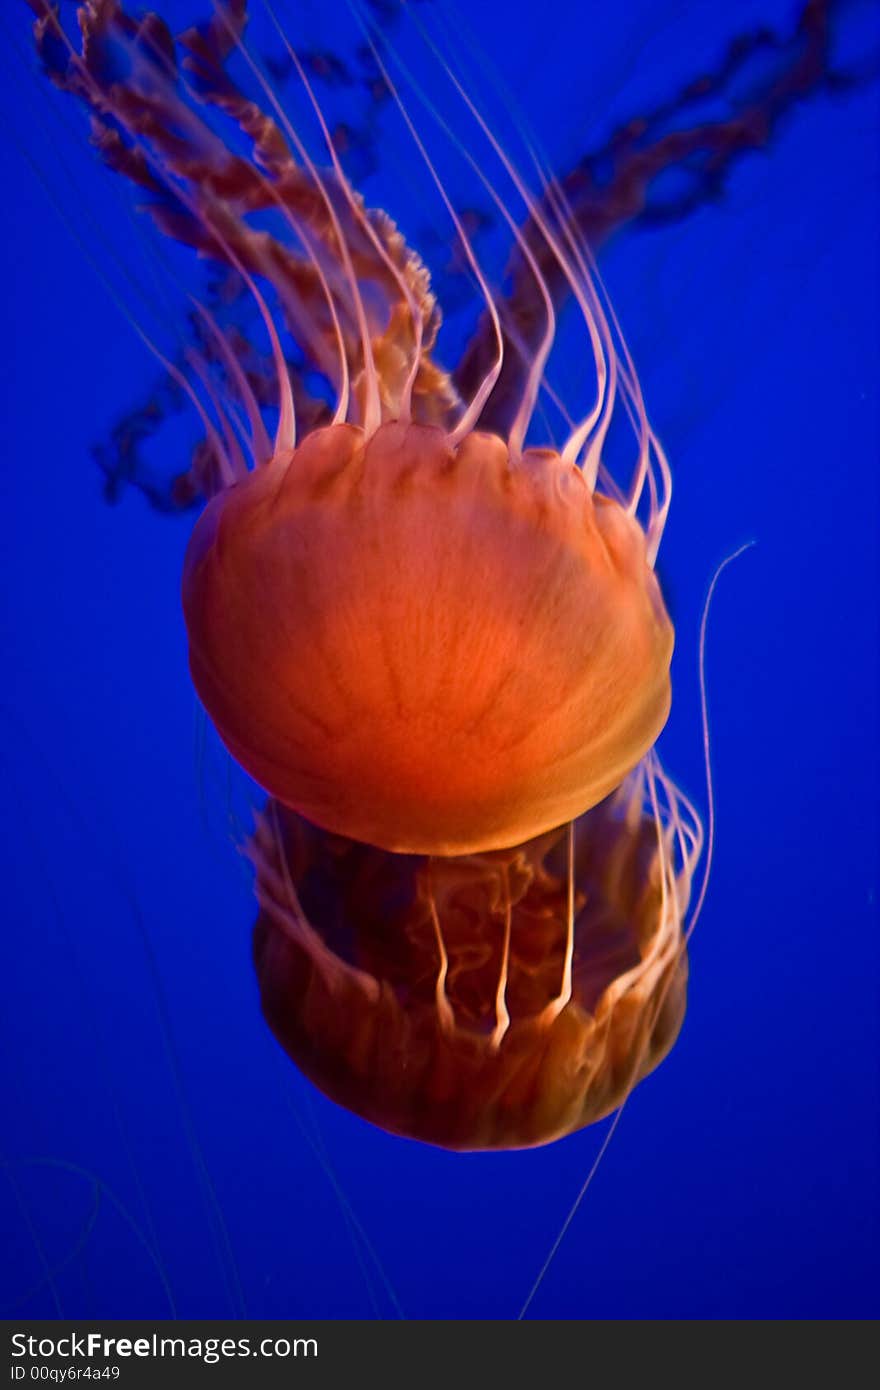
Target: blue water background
x,y
158,1153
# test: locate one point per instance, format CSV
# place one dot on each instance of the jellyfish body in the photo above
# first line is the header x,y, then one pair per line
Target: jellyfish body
x,y
481,1001
432,649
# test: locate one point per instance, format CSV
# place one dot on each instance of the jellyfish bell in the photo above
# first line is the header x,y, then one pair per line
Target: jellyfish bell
x,y
497,1000
412,630
433,648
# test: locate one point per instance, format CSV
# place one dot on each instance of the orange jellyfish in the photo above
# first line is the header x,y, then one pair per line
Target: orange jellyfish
x,y
424,640
442,651
412,632
496,1000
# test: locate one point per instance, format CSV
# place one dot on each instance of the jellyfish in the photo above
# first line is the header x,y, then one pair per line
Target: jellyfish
x,y
434,636
493,1000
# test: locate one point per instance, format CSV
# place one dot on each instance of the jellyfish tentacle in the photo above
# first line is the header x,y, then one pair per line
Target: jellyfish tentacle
x,y
277,896
704,721
502,1013
107,100
382,238
419,308
519,427
261,449
445,1013
471,413
300,230
579,288
219,90
554,1006
637,153
218,453
235,467
372,410
186,152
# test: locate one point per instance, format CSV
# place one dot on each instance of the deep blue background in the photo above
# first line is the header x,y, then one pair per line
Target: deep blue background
x,y
158,1151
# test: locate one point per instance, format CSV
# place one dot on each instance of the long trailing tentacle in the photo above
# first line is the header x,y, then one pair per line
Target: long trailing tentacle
x,y
617,184
758,81
150,98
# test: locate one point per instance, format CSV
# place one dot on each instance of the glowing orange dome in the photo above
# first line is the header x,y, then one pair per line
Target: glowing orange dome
x,y
428,648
